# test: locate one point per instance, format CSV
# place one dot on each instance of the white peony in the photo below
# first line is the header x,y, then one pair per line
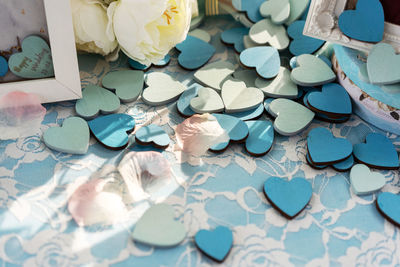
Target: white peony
x,y
93,31
147,30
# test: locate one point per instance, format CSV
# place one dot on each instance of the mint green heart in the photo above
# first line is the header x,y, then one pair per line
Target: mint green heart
x,y
238,98
383,65
34,61
312,71
281,86
207,101
265,31
363,181
297,8
162,89
95,99
72,137
157,227
213,74
291,117
128,84
278,10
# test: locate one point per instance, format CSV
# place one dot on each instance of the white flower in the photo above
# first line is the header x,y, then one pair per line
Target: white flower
x,y
92,25
147,29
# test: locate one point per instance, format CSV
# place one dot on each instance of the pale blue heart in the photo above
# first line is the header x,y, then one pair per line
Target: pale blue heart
x,y
34,61
72,137
366,23
152,134
157,227
261,137
96,99
235,128
363,181
128,84
278,10
383,65
265,59
345,165
183,103
297,9
216,244
289,197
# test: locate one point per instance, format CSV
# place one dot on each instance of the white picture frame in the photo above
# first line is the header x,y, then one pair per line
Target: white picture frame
x,y
322,24
66,84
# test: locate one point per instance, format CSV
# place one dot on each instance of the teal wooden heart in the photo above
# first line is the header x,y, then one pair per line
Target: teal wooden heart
x,y
34,61
128,84
72,137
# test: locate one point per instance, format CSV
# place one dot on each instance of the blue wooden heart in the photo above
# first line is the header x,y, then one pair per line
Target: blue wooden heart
x,y
236,129
216,244
288,197
152,135
324,148
261,137
265,59
389,206
194,53
333,99
235,37
366,23
377,152
250,114
251,7
3,66
183,104
112,130
302,44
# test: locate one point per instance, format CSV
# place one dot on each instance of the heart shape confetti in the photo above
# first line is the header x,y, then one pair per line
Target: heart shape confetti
x,y
237,97
382,65
312,71
128,84
72,137
366,23
215,244
278,10
234,37
34,61
207,101
291,117
302,44
112,130
260,139
265,59
297,9
157,227
325,149
234,127
288,197
266,32
251,7
162,89
281,86
213,74
194,53
377,152
95,99
388,204
364,182
152,135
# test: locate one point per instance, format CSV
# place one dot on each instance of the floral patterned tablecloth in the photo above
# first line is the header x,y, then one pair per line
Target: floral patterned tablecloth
x,y
337,227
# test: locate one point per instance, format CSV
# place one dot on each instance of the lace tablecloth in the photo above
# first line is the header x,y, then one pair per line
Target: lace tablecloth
x,y
336,228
